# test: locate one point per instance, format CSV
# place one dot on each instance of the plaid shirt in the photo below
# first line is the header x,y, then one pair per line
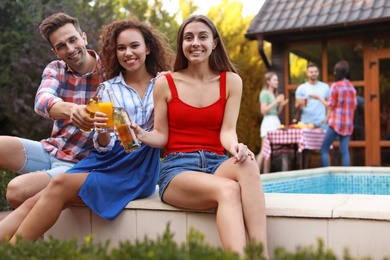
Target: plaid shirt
x,y
61,83
343,102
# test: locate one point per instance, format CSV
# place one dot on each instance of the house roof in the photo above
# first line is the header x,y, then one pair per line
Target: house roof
x,y
277,17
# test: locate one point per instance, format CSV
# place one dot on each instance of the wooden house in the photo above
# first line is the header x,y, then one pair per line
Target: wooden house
x,y
325,32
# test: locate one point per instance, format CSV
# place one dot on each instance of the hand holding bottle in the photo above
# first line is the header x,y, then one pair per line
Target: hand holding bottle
x,y
122,124
92,105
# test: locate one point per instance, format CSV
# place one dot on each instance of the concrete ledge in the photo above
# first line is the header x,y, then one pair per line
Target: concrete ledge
x,y
141,218
360,223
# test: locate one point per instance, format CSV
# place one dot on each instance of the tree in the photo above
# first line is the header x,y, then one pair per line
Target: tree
x,y
227,16
24,53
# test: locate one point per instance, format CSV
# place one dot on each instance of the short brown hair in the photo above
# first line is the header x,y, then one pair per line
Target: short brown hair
x,y
55,21
311,64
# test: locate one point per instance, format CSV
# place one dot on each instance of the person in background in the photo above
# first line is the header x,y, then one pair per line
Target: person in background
x,y
108,178
311,98
67,84
342,104
271,105
195,172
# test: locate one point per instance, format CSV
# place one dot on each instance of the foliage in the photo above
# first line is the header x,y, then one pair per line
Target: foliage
x,y
164,247
24,54
5,177
244,54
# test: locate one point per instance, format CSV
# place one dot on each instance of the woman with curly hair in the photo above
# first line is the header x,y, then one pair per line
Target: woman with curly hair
x,y
108,178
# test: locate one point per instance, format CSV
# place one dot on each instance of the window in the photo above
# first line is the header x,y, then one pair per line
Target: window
x,y
299,57
381,43
352,52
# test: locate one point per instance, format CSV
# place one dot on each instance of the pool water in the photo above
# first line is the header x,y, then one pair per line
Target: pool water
x,y
333,183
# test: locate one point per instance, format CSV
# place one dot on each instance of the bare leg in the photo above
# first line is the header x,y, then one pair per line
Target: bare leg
x,y
61,192
260,159
252,198
237,192
267,165
203,191
26,186
12,221
11,153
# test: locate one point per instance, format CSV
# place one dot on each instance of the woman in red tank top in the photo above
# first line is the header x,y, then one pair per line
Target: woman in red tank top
x,y
196,111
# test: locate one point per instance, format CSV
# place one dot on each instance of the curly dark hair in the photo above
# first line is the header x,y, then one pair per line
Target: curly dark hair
x,y
160,58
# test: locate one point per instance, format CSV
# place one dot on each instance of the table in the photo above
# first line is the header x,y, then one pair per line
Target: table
x,y
302,139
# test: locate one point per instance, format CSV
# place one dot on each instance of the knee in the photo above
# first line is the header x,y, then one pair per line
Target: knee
x,y
57,185
230,192
250,170
15,193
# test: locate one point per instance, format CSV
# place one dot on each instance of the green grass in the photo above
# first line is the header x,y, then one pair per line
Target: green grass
x,y
5,177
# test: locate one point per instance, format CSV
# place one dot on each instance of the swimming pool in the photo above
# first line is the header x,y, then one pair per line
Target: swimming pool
x,y
332,183
341,205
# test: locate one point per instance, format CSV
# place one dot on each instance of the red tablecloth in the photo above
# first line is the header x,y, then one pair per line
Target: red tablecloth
x,y
305,139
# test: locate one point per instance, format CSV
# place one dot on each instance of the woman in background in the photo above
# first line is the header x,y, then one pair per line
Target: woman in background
x,y
271,105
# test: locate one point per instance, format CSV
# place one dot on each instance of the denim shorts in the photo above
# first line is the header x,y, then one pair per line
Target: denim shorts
x,y
38,159
175,163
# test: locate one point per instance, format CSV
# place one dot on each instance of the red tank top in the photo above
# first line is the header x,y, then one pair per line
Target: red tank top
x,y
192,128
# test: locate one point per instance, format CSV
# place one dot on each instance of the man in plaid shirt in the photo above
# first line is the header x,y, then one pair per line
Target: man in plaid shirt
x,y
66,86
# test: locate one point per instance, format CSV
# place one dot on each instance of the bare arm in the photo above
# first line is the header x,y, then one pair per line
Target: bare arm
x,y
228,133
281,106
264,108
74,112
323,101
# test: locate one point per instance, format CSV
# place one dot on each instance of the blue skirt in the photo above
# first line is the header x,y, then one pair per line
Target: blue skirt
x,y
117,177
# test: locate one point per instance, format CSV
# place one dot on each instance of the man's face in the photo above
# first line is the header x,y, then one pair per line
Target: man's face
x,y
312,73
70,46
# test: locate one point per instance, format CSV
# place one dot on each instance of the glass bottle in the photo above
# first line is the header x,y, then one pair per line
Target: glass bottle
x,y
122,124
92,105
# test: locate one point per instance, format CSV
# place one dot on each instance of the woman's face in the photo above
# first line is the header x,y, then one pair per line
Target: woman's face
x,y
273,82
131,49
198,42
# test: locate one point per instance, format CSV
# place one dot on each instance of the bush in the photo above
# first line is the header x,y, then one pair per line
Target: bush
x,y
5,177
164,247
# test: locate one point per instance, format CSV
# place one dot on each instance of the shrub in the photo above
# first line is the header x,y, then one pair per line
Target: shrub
x,y
164,247
5,177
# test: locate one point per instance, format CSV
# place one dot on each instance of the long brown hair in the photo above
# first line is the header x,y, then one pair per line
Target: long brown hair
x,y
267,77
159,59
219,60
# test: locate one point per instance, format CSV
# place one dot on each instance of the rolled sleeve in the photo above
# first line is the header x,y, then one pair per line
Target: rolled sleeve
x,y
48,92
106,148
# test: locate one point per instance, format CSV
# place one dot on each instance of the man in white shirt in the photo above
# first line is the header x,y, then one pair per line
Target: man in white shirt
x,y
311,98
